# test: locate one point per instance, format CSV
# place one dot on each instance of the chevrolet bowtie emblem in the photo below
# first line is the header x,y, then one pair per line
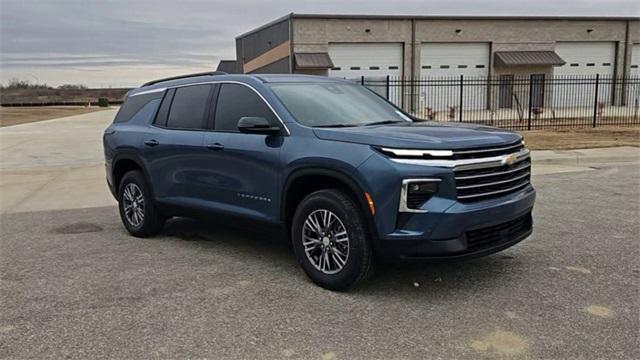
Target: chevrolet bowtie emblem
x,y
509,160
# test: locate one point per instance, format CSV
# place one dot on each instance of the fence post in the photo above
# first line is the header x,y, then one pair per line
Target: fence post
x,y
387,87
362,80
461,95
530,101
595,101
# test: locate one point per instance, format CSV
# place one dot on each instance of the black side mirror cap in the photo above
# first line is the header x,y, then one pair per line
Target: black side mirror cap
x,y
256,125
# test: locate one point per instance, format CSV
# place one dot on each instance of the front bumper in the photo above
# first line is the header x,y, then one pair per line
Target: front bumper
x,y
462,230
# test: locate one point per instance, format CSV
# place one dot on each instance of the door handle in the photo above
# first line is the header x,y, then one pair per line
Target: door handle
x,y
152,142
215,147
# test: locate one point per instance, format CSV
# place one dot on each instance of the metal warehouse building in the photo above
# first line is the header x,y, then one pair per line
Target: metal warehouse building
x,y
411,46
484,69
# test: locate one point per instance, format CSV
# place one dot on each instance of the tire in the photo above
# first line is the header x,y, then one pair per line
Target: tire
x,y
147,221
345,263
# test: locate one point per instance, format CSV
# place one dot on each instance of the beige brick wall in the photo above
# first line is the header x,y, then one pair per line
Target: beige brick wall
x,y
316,34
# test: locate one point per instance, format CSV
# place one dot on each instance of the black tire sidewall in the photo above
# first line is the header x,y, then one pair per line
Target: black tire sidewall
x,y
349,213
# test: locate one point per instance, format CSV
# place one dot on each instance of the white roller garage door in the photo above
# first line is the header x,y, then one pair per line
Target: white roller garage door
x,y
633,90
444,61
370,60
586,58
635,60
374,61
583,61
454,59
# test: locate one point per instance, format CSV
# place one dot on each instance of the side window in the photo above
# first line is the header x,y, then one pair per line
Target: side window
x,y
163,112
189,107
133,104
237,101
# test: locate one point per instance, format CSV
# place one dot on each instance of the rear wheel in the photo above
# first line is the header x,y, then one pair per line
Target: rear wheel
x,y
330,240
137,209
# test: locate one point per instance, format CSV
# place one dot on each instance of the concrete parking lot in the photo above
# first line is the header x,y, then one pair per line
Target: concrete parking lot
x,y
74,284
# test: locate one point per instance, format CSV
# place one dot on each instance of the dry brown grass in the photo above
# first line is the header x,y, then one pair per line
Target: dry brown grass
x,y
10,115
565,139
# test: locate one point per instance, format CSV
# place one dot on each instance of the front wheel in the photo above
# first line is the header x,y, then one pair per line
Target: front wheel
x,y
330,240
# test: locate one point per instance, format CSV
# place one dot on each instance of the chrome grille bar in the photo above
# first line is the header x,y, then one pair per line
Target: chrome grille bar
x,y
519,144
468,164
468,177
494,183
494,192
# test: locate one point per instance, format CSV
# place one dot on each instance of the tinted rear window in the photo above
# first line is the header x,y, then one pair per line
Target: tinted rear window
x,y
189,107
133,104
237,101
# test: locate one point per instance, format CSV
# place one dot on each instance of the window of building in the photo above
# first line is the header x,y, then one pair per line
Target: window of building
x,y
238,101
189,107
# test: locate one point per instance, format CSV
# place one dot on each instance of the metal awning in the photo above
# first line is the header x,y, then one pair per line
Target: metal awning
x,y
319,60
519,58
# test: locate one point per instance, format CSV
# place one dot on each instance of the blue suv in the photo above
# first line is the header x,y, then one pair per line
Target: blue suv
x,y
349,176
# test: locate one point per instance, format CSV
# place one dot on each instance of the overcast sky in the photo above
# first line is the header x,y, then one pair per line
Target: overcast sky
x,y
103,43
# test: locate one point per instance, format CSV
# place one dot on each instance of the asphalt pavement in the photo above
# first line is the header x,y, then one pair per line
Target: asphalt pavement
x,y
75,285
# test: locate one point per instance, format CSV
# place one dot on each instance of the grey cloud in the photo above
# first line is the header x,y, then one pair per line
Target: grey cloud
x,y
47,36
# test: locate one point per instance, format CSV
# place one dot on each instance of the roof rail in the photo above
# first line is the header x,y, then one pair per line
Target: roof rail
x,y
184,77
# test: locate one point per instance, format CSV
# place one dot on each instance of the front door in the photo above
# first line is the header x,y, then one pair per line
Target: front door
x,y
537,90
244,168
505,99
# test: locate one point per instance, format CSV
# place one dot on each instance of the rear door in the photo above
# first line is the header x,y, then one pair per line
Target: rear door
x,y
244,168
174,148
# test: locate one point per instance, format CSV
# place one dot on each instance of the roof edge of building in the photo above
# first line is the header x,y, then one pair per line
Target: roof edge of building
x,y
462,17
264,26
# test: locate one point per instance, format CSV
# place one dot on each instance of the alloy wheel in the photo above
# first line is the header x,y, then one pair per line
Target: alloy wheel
x,y
325,241
133,204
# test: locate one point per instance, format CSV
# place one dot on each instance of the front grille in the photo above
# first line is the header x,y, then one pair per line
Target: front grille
x,y
501,233
491,182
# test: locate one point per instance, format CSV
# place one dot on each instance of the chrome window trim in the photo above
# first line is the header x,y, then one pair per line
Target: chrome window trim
x,y
468,164
402,207
221,82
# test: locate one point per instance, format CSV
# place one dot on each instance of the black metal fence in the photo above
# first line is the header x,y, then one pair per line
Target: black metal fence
x,y
517,102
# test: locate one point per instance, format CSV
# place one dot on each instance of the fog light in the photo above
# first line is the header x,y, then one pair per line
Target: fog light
x,y
415,192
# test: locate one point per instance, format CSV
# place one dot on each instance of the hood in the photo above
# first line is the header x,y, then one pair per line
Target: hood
x,y
428,135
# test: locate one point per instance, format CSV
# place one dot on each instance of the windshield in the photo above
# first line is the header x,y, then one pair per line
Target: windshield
x,y
335,105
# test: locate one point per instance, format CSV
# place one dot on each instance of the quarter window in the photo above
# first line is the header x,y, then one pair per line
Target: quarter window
x,y
189,107
238,101
134,104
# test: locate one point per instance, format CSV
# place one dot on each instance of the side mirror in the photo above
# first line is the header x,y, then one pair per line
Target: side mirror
x,y
256,125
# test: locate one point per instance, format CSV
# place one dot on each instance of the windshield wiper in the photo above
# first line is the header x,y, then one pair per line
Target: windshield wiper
x,y
384,122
